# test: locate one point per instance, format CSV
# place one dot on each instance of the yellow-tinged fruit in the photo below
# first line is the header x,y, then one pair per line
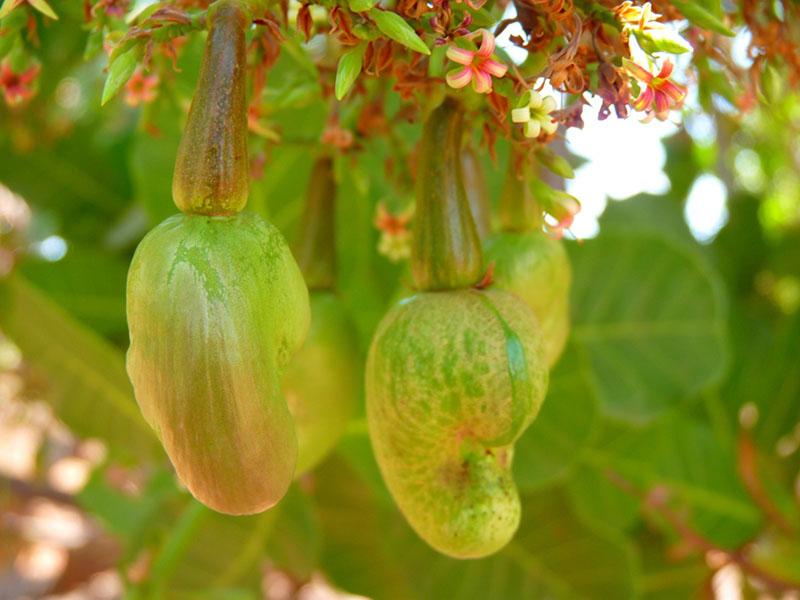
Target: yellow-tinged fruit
x,y
453,379
216,308
322,381
536,268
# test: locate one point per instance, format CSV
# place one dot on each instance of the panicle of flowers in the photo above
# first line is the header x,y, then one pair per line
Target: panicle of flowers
x,y
659,94
478,65
395,242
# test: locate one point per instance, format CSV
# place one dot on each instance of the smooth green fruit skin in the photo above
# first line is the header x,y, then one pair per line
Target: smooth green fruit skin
x,y
216,308
537,269
453,379
322,381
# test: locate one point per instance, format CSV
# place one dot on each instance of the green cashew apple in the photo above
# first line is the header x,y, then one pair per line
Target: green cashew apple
x,y
217,304
537,269
453,379
530,263
322,381
454,374
216,308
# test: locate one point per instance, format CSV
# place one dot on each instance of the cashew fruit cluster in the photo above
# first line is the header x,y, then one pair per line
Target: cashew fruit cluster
x,y
454,374
217,304
322,381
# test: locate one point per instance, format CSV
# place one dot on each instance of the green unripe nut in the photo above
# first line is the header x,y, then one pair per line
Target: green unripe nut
x,y
322,381
536,268
212,170
453,379
216,308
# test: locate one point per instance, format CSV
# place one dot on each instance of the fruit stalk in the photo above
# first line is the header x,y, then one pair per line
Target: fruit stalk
x,y
446,251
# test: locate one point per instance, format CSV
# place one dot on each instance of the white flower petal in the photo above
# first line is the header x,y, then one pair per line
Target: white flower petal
x,y
521,115
549,104
549,127
533,129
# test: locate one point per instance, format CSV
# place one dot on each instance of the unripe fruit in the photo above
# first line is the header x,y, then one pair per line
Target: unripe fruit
x,y
216,307
321,383
536,268
454,374
453,379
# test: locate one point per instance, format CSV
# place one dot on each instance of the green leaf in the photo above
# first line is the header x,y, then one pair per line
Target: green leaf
x,y
12,27
555,163
396,27
348,70
662,40
89,284
207,551
369,549
361,5
552,444
119,71
94,44
7,41
134,519
666,576
75,179
356,552
600,503
92,394
701,17
295,540
650,318
43,7
778,554
766,374
8,6
681,456
659,215
483,18
151,161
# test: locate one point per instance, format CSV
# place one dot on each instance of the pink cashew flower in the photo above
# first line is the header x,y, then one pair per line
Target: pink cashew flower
x,y
660,93
479,67
141,88
563,208
17,87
